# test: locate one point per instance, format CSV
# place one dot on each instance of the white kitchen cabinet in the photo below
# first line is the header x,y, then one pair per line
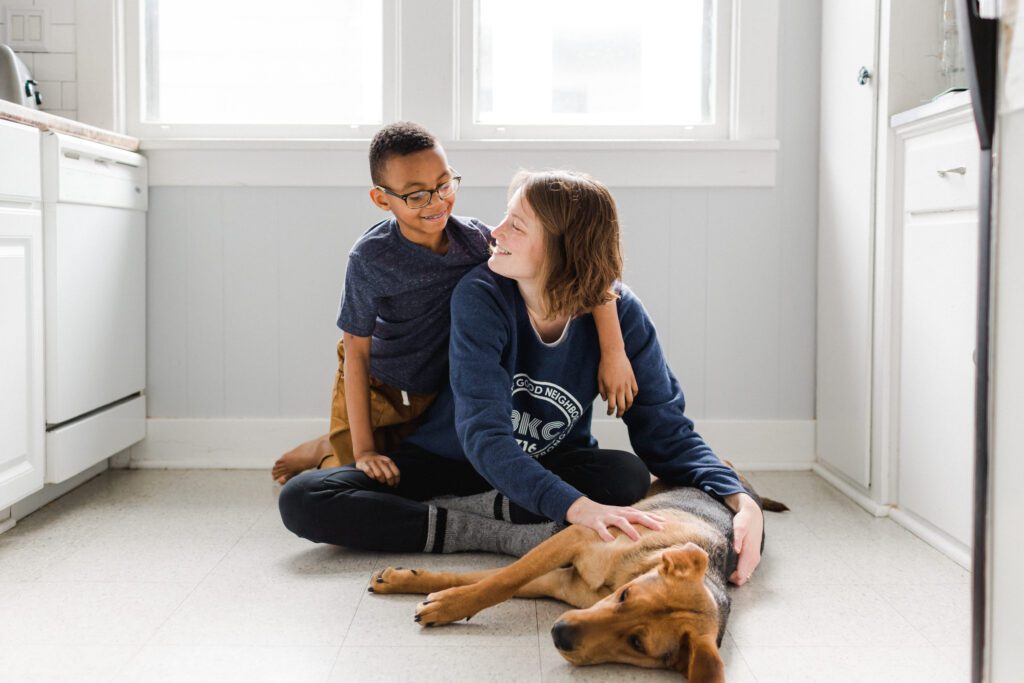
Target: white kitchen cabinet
x,y
21,315
845,239
933,341
860,181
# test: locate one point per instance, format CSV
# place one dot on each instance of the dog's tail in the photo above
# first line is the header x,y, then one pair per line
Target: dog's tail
x,y
773,505
766,503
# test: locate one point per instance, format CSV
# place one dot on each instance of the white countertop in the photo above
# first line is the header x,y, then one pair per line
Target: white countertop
x,y
940,105
44,121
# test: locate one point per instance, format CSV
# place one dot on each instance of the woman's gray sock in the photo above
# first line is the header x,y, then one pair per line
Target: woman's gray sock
x,y
453,531
490,504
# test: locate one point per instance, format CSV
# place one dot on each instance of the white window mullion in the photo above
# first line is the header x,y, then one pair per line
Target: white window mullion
x,y
755,40
427,64
392,62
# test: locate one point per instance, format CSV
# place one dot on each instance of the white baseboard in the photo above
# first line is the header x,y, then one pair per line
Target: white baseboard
x,y
853,493
49,493
750,445
939,540
227,444
257,443
928,533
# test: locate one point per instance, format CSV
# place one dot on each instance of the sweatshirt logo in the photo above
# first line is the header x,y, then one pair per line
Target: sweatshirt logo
x,y
543,414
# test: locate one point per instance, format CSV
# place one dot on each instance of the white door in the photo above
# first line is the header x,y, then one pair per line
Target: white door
x,y
845,227
21,352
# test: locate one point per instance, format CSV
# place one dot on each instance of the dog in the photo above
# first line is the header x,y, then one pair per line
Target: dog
x,y
659,602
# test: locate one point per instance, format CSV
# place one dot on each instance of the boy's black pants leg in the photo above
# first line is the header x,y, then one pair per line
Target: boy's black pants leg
x,y
343,506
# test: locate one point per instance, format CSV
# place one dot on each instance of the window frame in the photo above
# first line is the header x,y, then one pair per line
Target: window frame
x,y
298,158
135,91
465,97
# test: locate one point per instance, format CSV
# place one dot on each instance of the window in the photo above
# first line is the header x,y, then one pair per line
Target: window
x,y
652,93
256,66
595,68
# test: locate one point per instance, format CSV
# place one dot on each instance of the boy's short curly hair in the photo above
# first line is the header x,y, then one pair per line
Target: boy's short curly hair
x,y
397,139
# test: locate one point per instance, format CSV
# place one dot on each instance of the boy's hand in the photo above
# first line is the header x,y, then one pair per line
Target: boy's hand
x,y
378,467
616,382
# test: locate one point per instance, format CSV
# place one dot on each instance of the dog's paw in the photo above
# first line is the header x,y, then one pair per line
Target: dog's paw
x,y
449,605
396,580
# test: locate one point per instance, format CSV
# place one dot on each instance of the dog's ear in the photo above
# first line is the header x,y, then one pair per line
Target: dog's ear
x,y
705,665
690,561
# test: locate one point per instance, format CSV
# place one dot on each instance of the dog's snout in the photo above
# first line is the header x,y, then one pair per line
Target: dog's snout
x,y
564,635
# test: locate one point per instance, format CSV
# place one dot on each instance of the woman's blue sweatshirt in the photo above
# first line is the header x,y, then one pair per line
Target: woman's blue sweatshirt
x,y
513,399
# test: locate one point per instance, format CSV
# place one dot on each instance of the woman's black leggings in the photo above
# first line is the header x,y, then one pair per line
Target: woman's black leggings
x,y
345,507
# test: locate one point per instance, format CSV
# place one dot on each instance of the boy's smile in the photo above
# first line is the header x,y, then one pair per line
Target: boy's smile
x,y
424,170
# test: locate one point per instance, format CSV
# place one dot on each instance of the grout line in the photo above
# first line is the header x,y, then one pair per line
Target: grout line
x,y
738,651
348,627
540,656
938,646
189,594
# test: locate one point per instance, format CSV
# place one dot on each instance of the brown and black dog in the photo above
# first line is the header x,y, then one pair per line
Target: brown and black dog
x,y
659,602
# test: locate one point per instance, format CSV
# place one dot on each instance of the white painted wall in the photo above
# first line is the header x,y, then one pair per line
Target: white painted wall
x,y
55,71
244,282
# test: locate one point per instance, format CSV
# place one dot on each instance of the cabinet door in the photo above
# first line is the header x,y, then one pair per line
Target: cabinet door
x,y
939,311
21,351
846,178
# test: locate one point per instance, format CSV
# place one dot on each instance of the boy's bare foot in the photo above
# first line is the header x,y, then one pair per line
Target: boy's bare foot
x,y
301,458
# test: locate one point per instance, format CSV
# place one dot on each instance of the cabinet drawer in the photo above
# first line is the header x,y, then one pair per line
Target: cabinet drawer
x,y
941,170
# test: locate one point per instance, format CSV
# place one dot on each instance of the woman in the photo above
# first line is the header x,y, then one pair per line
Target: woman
x,y
509,442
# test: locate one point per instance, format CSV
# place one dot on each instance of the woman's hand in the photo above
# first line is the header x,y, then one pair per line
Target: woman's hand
x,y
378,467
747,530
616,382
586,512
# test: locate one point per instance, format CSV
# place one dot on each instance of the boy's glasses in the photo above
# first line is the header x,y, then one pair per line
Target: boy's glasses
x,y
421,198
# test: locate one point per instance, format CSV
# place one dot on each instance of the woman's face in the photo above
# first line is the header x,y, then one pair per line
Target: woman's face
x,y
518,251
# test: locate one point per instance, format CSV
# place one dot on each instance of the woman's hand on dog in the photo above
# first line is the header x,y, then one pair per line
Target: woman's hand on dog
x,y
600,518
748,528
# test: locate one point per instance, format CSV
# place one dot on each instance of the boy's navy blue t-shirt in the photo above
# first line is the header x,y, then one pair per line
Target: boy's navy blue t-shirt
x,y
399,293
513,399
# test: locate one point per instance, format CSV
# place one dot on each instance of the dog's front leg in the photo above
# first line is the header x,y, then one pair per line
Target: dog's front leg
x,y
399,580
566,585
463,602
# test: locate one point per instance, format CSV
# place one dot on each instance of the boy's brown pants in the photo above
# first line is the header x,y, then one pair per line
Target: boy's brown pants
x,y
394,415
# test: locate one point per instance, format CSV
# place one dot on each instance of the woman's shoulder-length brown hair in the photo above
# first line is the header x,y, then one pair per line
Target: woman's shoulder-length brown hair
x,y
583,256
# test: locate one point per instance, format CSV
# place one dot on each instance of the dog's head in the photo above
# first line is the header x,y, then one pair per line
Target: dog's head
x,y
667,618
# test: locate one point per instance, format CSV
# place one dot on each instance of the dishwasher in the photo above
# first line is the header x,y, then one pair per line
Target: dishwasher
x,y
95,199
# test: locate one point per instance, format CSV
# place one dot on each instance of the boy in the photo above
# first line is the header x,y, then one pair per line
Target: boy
x,y
395,317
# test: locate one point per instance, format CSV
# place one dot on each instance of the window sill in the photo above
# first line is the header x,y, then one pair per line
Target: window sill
x,y
483,163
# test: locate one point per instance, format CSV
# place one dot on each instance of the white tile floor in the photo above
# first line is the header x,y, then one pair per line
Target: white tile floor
x,y
189,576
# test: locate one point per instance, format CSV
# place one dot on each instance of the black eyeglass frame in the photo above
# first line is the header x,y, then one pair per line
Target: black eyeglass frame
x,y
457,179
